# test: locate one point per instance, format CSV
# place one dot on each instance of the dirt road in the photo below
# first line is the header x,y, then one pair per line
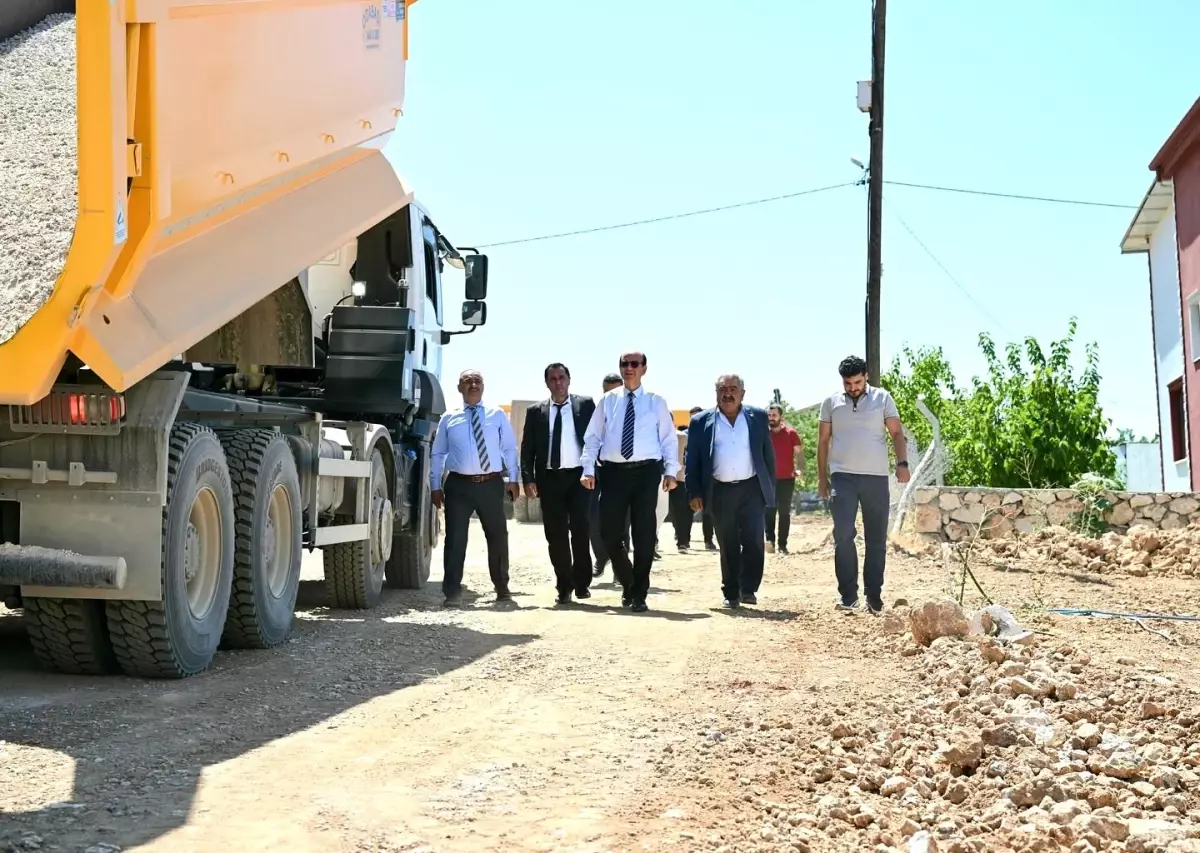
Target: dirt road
x,y
584,728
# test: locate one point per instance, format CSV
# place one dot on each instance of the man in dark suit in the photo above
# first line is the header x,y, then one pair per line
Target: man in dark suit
x,y
611,381
551,447
731,471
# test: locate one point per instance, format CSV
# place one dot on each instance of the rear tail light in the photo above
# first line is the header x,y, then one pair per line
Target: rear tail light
x,y
71,410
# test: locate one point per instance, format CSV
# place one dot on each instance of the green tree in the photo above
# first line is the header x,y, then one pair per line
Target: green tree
x,y
1031,421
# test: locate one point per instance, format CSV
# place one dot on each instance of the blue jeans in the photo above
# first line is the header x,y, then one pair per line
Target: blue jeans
x,y
848,492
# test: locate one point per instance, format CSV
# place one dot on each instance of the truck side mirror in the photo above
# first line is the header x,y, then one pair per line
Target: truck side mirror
x,y
474,313
476,284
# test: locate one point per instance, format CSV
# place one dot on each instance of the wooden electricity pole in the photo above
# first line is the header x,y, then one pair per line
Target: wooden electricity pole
x,y
875,189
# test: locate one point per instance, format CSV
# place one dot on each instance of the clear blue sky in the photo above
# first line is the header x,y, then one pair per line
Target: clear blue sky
x,y
540,116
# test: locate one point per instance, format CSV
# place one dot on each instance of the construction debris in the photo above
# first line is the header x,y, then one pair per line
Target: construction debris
x,y
38,193
1140,552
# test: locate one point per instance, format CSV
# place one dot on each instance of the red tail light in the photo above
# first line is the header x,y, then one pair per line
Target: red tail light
x,y
70,410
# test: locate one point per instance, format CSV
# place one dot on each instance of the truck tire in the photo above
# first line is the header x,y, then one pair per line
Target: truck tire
x,y
178,636
353,579
69,635
412,554
269,542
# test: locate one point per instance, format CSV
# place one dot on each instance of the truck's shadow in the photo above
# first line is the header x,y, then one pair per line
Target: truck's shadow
x,y
139,747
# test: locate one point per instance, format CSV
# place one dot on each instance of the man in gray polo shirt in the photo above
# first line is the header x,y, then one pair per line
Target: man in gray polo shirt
x,y
853,468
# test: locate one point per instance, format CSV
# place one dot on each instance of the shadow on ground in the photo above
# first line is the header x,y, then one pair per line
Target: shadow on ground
x,y
139,747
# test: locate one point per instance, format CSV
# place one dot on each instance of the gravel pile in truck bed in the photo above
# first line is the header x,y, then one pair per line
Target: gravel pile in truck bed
x,y
38,195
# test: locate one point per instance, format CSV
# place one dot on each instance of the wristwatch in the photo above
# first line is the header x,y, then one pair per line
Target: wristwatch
x,y
902,464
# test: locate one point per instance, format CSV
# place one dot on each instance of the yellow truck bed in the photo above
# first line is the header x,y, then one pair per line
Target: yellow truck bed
x,y
173,162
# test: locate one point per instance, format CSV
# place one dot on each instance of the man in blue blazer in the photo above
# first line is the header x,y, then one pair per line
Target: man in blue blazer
x,y
731,472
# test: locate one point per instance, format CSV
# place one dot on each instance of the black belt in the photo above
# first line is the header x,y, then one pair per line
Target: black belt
x,y
477,478
717,482
641,463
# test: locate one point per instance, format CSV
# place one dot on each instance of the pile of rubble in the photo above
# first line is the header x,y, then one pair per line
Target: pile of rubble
x,y
1005,746
1141,551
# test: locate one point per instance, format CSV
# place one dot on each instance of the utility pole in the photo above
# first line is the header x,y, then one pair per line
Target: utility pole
x,y
875,189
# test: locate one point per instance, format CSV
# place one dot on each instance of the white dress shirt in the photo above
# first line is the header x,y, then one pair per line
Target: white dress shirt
x,y
454,447
653,431
732,461
569,448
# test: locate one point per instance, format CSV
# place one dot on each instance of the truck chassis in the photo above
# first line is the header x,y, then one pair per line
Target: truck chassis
x,y
184,528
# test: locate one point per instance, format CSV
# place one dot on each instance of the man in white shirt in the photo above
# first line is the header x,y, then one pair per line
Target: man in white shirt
x,y
852,471
472,450
633,435
551,447
731,471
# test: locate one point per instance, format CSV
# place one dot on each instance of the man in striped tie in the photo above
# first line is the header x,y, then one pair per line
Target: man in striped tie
x,y
473,449
632,434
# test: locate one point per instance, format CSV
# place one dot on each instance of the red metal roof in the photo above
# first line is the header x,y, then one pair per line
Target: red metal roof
x,y
1180,144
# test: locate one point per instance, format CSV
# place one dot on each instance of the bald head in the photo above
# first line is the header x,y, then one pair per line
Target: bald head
x,y
633,368
470,385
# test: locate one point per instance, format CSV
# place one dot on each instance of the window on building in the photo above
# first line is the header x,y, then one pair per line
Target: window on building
x,y
1193,315
1178,421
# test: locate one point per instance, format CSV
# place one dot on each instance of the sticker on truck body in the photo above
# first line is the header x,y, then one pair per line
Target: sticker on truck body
x,y
372,29
121,231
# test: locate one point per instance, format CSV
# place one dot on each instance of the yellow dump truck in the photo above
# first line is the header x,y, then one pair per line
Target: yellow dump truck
x,y
221,323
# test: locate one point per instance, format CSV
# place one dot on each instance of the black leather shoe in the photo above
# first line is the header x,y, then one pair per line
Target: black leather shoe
x,y
563,598
583,593
732,603
503,595
626,601
639,607
598,571
749,598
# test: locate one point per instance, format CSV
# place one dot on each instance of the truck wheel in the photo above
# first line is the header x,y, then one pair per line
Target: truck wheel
x,y
269,543
412,554
178,636
69,635
354,570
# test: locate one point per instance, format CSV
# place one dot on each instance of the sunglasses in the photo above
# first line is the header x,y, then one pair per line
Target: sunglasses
x,y
624,364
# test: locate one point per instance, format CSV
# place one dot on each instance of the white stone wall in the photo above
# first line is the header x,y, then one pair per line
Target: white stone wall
x,y
956,513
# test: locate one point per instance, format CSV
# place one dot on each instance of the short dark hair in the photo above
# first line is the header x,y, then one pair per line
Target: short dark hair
x,y
852,365
557,365
696,409
612,379
776,408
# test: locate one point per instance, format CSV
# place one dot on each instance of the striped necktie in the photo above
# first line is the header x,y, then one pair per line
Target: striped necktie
x,y
480,444
627,429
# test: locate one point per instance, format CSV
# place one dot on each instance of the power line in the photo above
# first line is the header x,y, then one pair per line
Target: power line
x,y
668,217
967,293
1019,197
798,194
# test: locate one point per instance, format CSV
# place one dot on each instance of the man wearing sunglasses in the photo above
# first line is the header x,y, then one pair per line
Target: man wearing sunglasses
x,y
632,434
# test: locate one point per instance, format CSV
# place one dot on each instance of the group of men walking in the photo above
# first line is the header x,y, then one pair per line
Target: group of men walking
x,y
606,471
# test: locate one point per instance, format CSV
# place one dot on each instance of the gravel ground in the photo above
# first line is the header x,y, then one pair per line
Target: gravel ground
x,y
786,727
38,193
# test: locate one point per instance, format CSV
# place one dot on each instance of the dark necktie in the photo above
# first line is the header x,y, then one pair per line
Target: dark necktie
x,y
627,430
480,441
556,438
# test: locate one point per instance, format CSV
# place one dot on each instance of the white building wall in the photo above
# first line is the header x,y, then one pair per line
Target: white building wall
x,y
1138,461
1168,343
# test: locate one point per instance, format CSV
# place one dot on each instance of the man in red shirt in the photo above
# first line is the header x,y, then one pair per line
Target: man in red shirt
x,y
789,459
